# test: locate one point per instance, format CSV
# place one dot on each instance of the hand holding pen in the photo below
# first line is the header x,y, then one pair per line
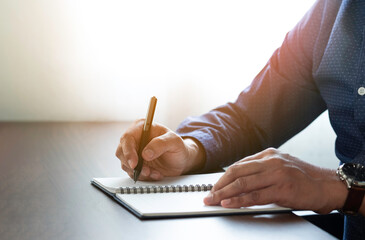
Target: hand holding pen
x,y
158,152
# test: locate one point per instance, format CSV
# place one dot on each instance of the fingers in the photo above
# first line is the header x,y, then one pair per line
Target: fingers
x,y
259,197
147,173
127,148
236,171
239,186
168,142
246,168
129,143
129,154
163,142
251,181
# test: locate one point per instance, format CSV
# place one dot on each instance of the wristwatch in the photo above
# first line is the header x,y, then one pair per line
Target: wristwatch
x,y
353,175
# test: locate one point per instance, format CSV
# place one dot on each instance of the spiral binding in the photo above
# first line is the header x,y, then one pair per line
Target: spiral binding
x,y
165,189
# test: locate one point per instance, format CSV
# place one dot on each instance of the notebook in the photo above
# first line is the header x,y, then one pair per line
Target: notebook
x,y
172,197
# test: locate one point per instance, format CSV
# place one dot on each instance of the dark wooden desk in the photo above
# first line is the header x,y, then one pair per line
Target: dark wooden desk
x,y
45,192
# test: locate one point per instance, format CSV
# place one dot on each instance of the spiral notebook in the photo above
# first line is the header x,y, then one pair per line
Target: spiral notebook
x,y
172,197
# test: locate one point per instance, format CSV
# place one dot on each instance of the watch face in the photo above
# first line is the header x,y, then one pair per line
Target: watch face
x,y
355,171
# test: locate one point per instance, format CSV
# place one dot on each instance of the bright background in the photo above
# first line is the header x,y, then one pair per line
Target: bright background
x,y
89,60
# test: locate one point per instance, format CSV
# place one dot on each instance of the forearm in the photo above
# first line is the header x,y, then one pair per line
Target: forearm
x,y
223,135
257,119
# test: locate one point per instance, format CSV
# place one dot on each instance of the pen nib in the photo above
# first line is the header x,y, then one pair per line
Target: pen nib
x,y
135,176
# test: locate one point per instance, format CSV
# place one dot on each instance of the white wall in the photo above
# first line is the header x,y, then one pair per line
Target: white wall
x,y
91,60
102,60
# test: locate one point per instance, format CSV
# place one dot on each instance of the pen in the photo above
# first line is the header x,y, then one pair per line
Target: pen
x,y
144,137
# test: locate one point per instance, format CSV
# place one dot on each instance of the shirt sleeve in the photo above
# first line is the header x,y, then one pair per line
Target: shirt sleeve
x,y
280,102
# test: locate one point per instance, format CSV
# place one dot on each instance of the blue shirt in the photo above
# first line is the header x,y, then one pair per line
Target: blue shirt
x,y
320,66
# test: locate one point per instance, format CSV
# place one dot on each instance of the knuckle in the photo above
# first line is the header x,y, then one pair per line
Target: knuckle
x,y
286,156
161,141
215,196
232,171
124,138
277,161
161,129
117,152
271,151
229,171
218,195
125,168
240,183
258,163
139,121
126,156
173,136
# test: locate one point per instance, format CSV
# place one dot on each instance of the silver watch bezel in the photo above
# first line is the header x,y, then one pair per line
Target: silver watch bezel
x,y
347,179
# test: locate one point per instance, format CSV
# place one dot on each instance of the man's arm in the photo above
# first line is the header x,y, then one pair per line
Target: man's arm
x,y
281,101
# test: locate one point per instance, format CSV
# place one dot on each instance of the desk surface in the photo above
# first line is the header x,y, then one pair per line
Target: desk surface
x,y
45,192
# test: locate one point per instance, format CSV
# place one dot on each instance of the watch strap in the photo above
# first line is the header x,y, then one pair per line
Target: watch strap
x,y
353,200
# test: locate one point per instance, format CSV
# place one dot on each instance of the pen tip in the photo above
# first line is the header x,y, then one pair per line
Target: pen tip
x,y
135,176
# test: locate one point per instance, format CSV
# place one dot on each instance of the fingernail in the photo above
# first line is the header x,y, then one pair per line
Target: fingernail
x,y
130,163
209,198
149,153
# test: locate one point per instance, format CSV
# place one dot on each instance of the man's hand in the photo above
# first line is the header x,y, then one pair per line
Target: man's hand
x,y
167,154
273,177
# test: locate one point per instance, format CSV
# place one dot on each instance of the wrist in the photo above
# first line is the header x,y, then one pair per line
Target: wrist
x,y
340,191
353,177
335,192
196,155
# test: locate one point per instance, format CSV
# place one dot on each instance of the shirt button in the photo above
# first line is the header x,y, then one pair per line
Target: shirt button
x,y
361,91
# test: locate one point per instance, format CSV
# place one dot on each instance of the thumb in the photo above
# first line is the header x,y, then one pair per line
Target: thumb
x,y
168,142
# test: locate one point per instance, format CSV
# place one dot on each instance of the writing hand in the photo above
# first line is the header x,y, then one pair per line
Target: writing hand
x,y
167,154
273,177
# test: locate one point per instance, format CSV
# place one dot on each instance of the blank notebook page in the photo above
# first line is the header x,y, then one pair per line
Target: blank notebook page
x,y
176,203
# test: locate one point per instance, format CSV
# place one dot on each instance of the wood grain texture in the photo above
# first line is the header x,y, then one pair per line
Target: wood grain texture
x,y
45,192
